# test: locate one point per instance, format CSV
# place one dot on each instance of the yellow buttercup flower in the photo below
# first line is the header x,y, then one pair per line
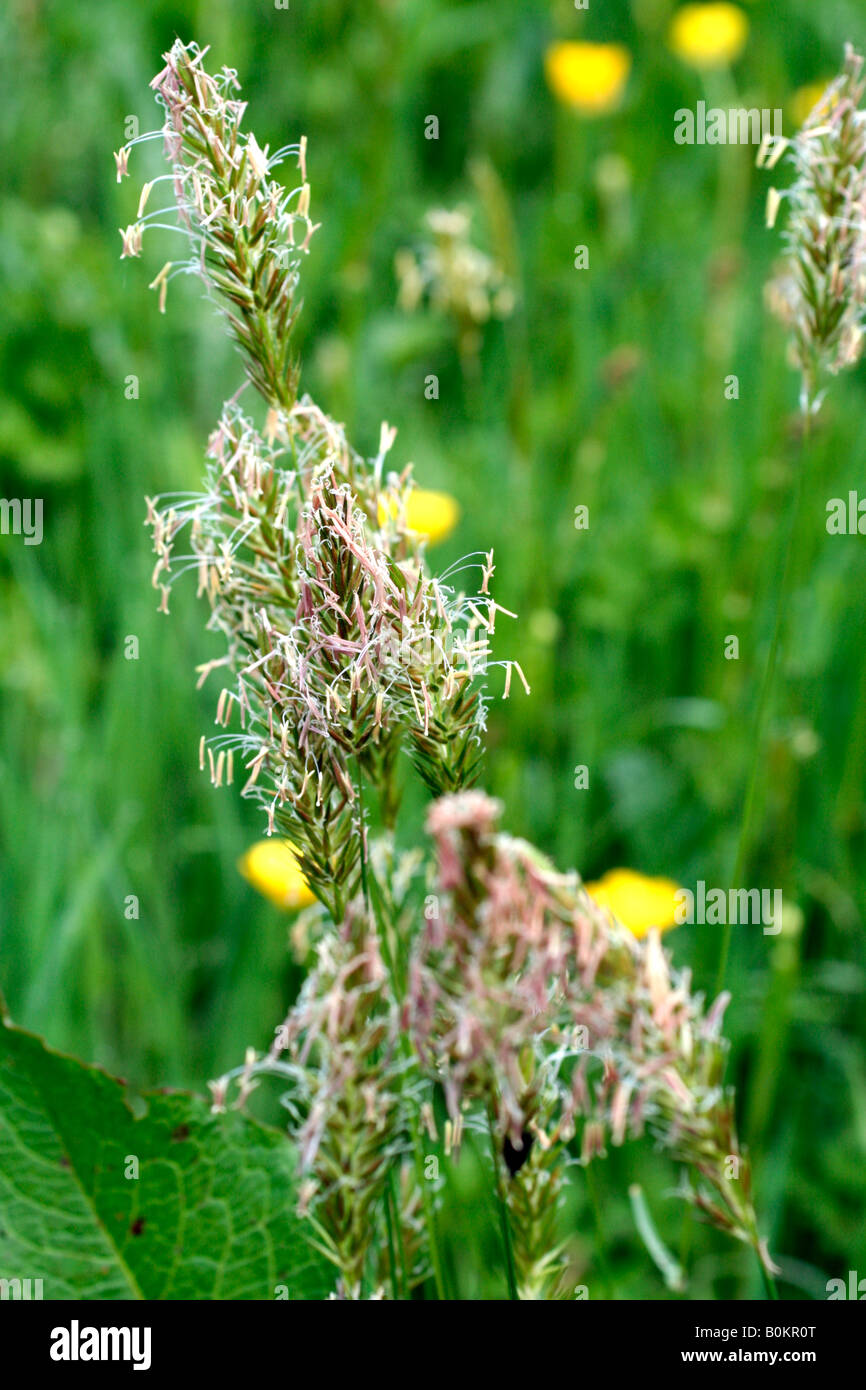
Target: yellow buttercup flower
x,y
805,99
637,901
591,77
709,36
432,514
271,866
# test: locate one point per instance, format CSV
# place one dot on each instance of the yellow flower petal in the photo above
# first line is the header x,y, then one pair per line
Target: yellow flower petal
x,y
271,866
805,99
591,77
709,36
432,514
637,901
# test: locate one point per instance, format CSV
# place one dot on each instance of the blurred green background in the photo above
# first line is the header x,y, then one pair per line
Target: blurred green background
x,y
605,388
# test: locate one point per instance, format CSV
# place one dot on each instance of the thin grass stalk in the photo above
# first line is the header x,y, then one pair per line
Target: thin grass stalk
x,y
503,1213
782,603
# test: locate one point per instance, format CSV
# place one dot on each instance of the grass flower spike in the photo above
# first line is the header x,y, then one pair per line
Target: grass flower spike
x,y
457,278
821,293
508,992
342,647
249,235
528,997
345,1099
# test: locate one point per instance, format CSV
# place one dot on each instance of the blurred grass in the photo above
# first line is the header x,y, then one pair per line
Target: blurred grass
x,y
607,388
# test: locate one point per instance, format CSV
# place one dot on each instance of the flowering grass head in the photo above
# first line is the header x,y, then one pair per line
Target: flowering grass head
x,y
455,277
821,292
248,234
530,996
345,1104
537,1012
342,647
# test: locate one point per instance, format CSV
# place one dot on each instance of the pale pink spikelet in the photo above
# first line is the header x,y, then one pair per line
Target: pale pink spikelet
x,y
529,999
821,292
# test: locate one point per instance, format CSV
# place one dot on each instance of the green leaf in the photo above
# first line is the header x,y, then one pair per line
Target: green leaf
x,y
211,1214
396,573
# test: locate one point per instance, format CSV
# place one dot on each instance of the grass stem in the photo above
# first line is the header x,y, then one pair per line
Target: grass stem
x,y
744,844
503,1213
